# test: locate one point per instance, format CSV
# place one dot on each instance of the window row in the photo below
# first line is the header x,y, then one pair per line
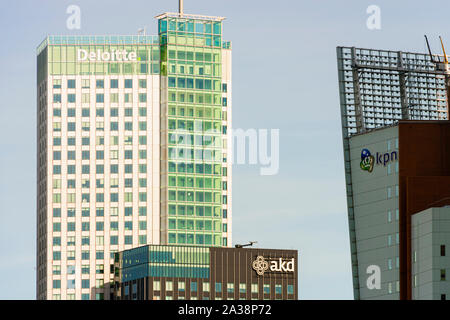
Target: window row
x,y
197,225
99,155
197,196
113,240
100,169
99,140
85,269
100,98
199,211
100,197
218,286
100,112
100,212
197,239
100,83
100,226
100,183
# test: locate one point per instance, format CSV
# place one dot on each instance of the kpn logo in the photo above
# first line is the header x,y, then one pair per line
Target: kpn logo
x,y
367,160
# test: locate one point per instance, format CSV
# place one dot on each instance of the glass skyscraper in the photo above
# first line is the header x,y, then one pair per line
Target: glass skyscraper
x,y
133,149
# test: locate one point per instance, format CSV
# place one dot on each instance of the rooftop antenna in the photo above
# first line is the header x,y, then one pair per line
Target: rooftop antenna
x,y
251,243
180,7
142,30
429,50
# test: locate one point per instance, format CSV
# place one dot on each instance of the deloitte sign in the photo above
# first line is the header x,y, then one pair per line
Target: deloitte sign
x,y
261,265
368,160
106,56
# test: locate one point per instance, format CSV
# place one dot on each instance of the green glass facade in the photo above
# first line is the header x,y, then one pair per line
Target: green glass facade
x,y
163,261
192,165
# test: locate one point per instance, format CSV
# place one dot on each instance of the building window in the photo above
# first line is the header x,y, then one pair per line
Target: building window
x,y
254,288
169,286
389,192
99,283
389,216
218,287
193,286
85,269
128,240
70,241
100,84
156,285
99,269
114,240
99,255
389,264
205,286
56,270
242,288
442,250
266,288
290,289
85,284
71,284
278,289
85,296
442,274
443,297
389,287
85,255
230,287
128,83
56,83
181,286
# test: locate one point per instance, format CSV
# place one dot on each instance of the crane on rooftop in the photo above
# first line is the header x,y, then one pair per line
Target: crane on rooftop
x,y
443,67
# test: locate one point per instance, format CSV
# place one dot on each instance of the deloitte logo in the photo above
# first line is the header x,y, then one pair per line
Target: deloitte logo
x,y
99,56
368,160
261,265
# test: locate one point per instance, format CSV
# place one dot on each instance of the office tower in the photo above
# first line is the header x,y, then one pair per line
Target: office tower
x,y
132,149
400,180
377,89
197,273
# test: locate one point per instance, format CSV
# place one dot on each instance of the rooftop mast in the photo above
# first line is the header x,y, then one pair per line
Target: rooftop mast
x,y
180,7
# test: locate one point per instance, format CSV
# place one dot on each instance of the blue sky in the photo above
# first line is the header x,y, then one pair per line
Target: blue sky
x,y
284,77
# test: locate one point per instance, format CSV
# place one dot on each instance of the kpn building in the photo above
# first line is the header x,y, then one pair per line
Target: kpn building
x,y
133,149
399,195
